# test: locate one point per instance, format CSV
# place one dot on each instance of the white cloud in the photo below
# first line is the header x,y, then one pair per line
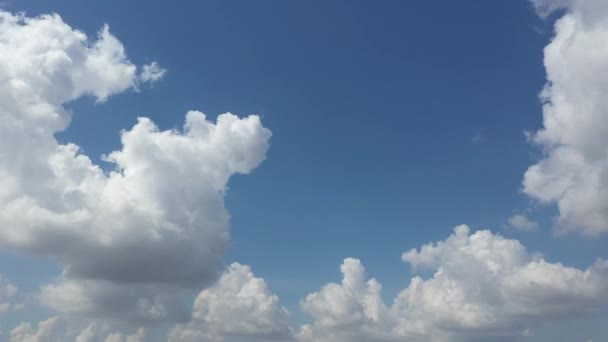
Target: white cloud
x,y
152,73
484,287
50,330
522,222
138,234
55,329
350,311
239,307
573,172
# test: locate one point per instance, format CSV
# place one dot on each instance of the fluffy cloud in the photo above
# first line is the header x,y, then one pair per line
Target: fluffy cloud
x,y
128,239
483,286
350,311
55,329
50,330
239,307
573,172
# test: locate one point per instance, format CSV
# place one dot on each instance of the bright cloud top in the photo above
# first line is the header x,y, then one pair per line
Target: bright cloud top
x,y
239,306
54,329
484,286
574,170
129,237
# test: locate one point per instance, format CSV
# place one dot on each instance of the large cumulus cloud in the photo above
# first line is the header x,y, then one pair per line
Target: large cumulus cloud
x,y
483,287
153,224
239,307
573,172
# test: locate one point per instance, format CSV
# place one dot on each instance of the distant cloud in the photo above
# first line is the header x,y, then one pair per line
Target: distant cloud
x,y
522,222
152,73
573,172
479,136
484,287
8,291
54,329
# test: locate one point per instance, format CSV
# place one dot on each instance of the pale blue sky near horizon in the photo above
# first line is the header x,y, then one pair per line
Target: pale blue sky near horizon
x,y
392,123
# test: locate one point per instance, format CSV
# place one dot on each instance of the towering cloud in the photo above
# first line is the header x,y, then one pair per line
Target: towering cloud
x,y
573,172
240,307
129,238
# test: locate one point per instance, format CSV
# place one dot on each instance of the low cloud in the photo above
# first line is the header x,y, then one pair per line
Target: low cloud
x,y
484,287
55,329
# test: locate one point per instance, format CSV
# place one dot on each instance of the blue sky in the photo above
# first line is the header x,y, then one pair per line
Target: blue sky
x,y
391,124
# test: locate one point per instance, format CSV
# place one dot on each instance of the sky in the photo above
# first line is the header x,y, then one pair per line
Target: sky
x,y
303,171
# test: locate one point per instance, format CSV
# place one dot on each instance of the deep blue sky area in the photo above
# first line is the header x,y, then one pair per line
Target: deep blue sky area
x,y
392,121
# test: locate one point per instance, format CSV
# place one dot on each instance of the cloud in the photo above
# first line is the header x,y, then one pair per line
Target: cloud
x,y
55,329
97,332
573,172
239,307
131,239
152,73
350,311
522,222
49,330
8,291
479,136
483,287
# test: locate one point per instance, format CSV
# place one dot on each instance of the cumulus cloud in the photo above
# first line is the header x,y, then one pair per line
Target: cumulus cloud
x,y
55,329
50,330
130,238
239,307
483,286
573,173
522,222
350,311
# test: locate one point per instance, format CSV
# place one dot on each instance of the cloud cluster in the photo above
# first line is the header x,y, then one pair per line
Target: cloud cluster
x,y
573,172
483,287
130,238
54,329
238,307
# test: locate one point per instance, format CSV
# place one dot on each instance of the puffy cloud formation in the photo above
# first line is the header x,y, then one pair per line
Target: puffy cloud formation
x,y
522,222
350,311
54,330
573,172
239,307
50,330
130,238
484,287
